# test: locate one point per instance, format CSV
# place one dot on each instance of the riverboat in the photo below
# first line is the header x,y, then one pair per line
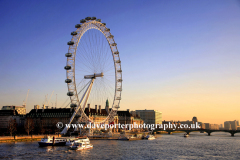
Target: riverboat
x,y
52,141
84,140
185,135
149,137
80,145
130,138
123,137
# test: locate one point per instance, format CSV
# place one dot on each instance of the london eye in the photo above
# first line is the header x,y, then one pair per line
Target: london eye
x,y
93,70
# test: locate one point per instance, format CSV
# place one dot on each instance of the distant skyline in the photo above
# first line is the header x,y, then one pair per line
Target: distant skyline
x,y
178,57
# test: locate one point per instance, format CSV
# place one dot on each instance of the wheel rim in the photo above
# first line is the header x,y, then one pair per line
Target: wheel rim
x,y
89,56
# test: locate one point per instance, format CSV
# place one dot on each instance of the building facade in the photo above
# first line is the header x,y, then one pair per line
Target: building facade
x,y
20,109
45,120
126,117
150,116
231,125
5,116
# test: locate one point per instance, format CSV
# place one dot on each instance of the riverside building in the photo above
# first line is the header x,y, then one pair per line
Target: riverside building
x,y
231,125
20,109
7,113
6,116
150,116
45,119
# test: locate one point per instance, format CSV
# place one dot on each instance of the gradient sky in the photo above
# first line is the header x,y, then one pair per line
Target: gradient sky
x,y
178,57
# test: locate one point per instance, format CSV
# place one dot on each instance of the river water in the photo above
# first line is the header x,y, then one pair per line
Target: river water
x,y
196,146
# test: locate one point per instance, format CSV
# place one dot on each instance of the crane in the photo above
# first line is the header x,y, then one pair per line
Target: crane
x,y
50,98
56,101
45,99
44,103
25,101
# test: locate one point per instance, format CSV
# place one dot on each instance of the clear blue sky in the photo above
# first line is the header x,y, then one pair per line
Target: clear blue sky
x,y
178,57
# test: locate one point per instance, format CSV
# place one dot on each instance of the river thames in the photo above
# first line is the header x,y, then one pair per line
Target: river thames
x,y
196,146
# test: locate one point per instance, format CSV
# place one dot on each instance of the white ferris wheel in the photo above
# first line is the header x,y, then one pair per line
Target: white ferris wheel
x,y
93,70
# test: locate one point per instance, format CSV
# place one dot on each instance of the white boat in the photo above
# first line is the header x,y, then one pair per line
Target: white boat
x,y
52,141
129,137
185,135
70,141
149,137
77,140
123,137
80,146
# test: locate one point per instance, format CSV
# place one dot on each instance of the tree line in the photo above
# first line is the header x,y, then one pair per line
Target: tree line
x,y
30,127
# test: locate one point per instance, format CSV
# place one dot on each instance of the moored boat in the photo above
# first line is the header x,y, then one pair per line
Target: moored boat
x,y
80,145
77,140
130,137
123,137
149,137
134,138
52,141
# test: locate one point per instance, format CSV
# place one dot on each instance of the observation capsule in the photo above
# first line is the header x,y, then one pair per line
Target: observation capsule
x,y
118,61
68,54
111,36
104,24
116,106
73,33
99,20
67,67
73,105
119,89
82,21
119,70
88,18
113,44
94,18
107,29
119,80
70,43
68,81
70,94
77,25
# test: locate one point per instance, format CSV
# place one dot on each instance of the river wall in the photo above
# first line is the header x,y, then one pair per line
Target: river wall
x,y
23,138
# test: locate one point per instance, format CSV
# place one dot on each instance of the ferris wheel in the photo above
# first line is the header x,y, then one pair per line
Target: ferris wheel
x,y
94,74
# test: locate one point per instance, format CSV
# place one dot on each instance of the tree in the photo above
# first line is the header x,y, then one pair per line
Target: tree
x,y
29,125
54,127
12,126
41,126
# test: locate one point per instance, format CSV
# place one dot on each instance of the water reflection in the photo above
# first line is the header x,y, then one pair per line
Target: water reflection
x,y
219,145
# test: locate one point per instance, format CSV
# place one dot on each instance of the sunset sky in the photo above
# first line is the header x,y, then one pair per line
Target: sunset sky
x,y
179,57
